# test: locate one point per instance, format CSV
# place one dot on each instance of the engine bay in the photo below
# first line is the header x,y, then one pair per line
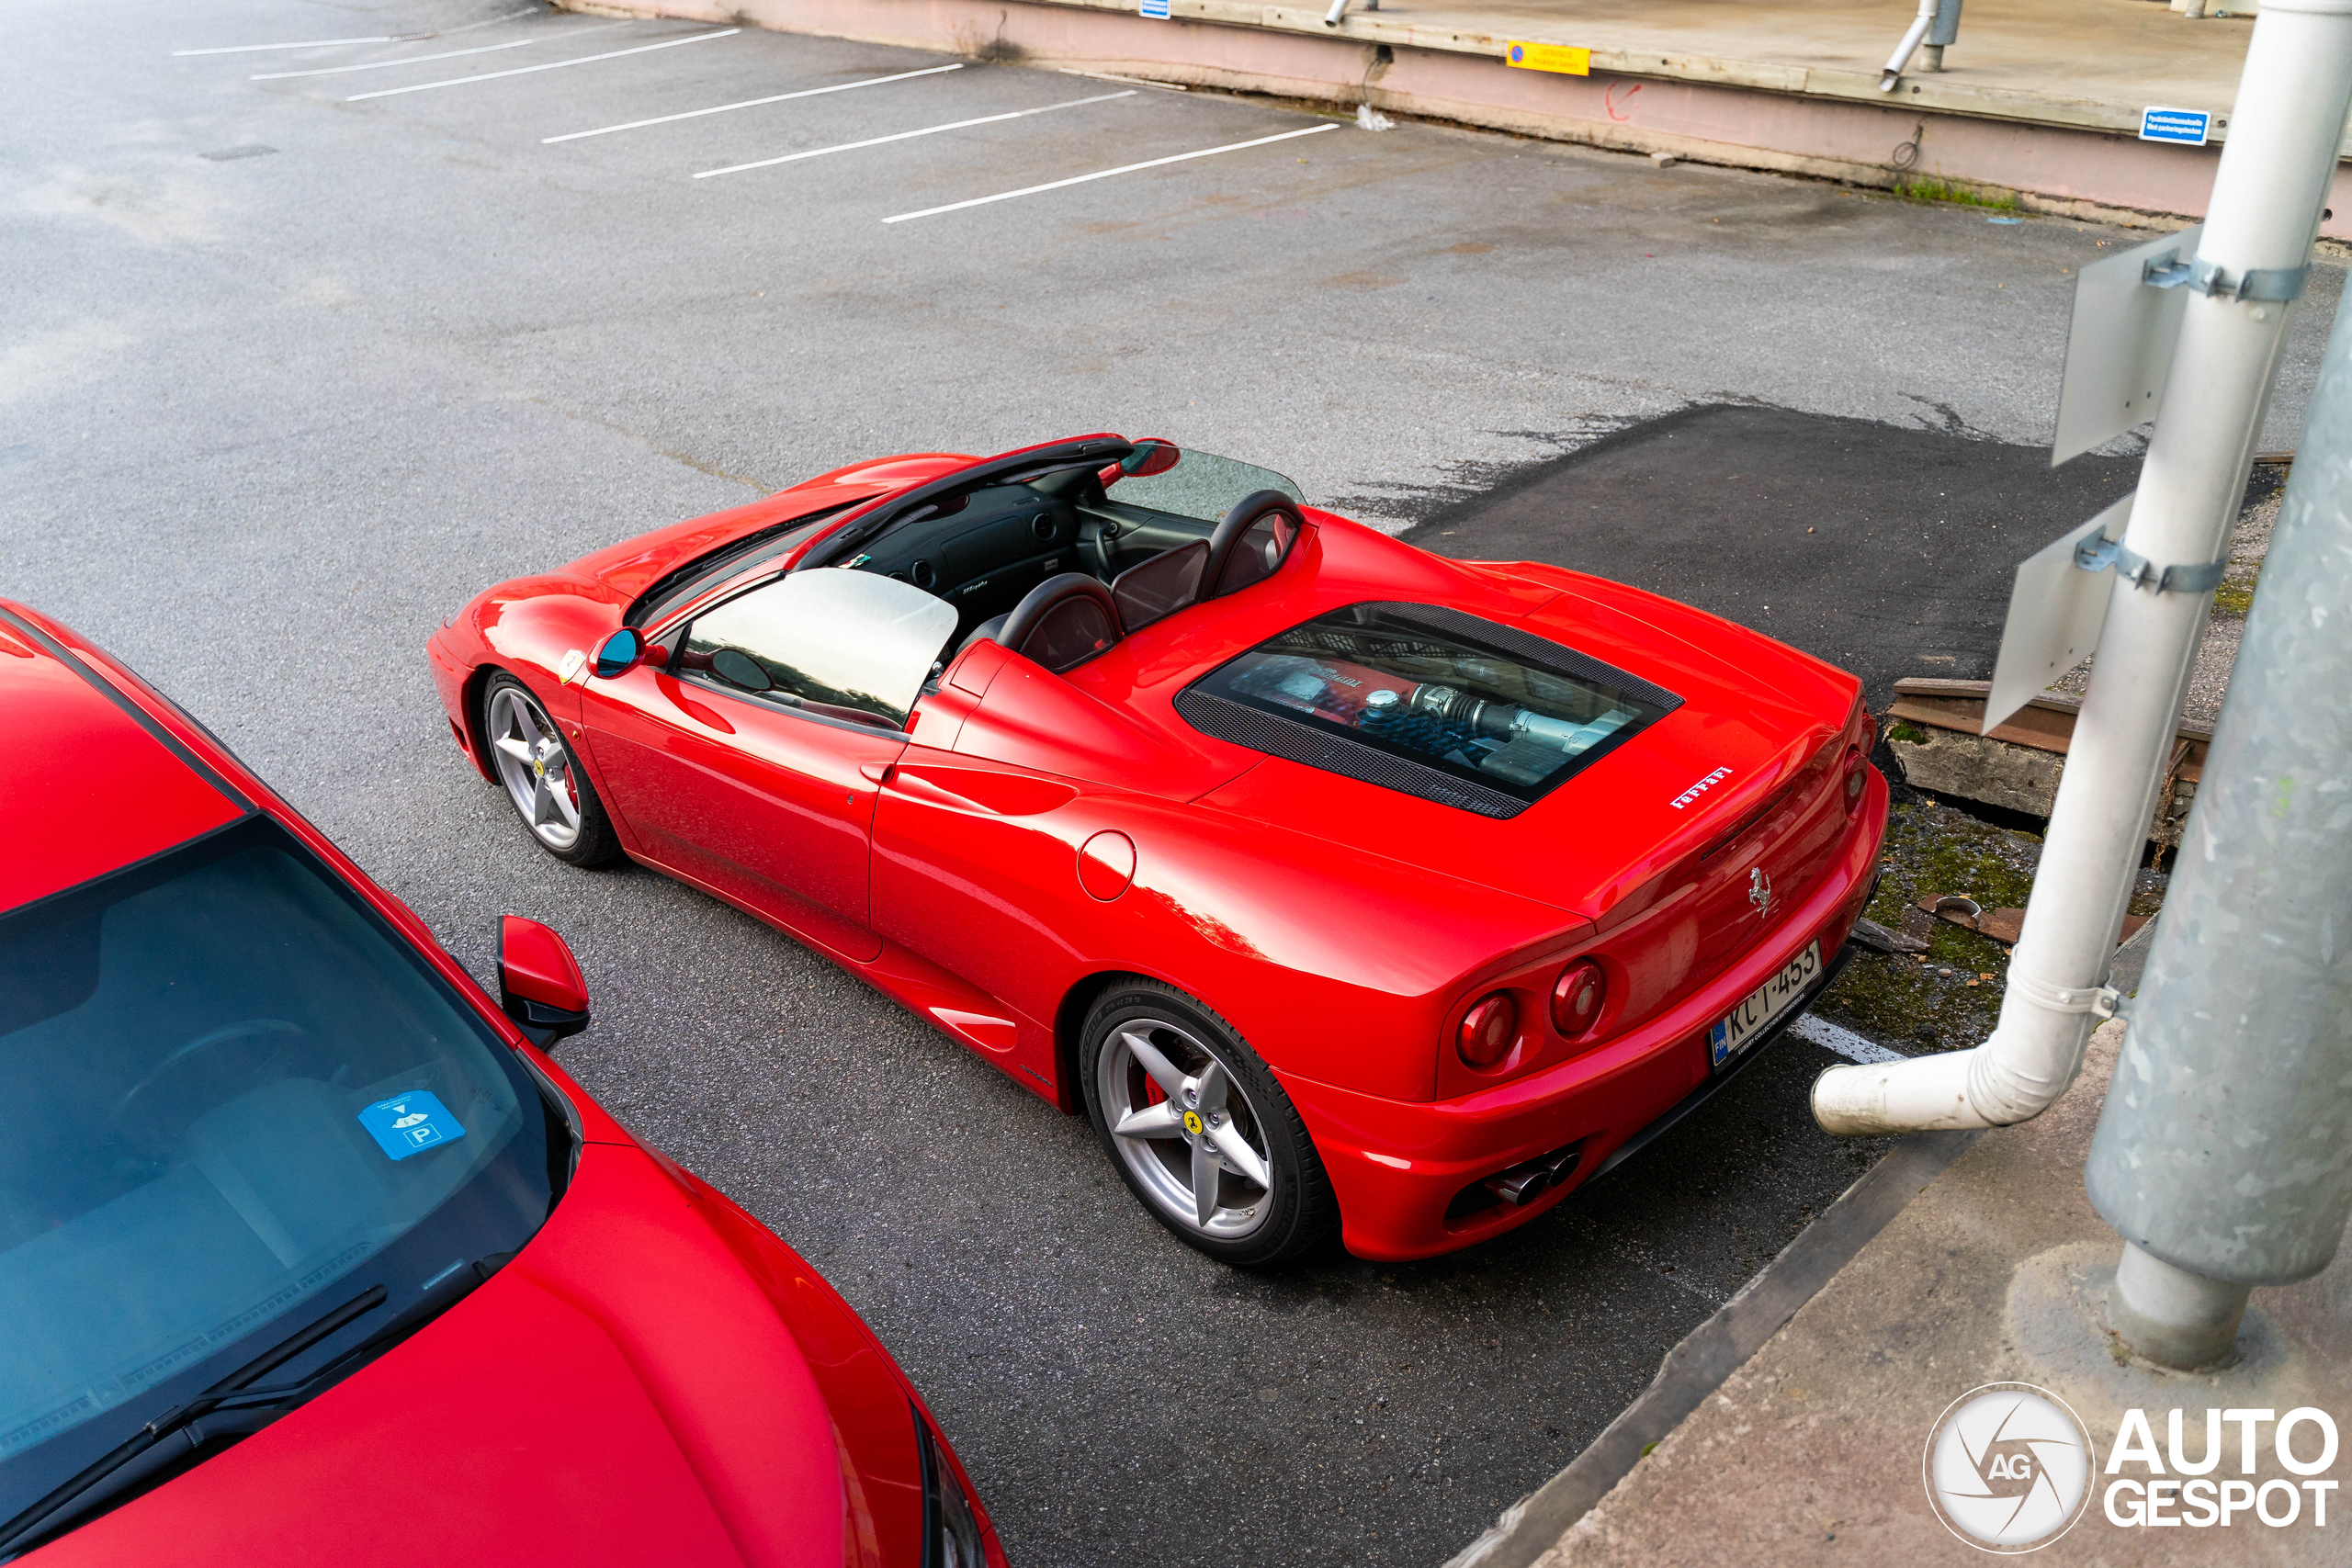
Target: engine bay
x,y
1388,677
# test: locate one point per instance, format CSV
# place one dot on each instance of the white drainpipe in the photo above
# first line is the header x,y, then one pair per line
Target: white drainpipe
x,y
2274,174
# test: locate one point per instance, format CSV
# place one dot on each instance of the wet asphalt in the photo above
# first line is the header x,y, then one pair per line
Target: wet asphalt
x,y
285,378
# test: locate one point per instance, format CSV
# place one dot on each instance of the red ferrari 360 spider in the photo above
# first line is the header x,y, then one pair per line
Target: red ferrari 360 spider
x,y
1337,882
308,1254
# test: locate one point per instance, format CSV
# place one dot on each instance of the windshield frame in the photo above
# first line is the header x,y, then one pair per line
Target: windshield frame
x,y
547,1156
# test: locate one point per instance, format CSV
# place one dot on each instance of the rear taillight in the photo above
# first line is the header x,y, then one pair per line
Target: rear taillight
x,y
1487,1030
1576,997
1857,775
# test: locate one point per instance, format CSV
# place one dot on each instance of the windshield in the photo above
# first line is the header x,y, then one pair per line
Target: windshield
x,y
235,1097
1509,715
1201,485
844,644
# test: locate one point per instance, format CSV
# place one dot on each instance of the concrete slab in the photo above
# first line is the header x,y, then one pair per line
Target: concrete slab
x,y
1812,1451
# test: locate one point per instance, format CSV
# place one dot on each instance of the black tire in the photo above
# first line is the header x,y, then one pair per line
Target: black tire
x,y
1299,1210
508,711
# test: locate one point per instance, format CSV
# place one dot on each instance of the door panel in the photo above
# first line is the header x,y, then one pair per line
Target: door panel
x,y
975,869
772,806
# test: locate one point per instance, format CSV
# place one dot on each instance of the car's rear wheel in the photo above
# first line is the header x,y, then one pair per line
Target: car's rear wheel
x,y
1198,1129
549,788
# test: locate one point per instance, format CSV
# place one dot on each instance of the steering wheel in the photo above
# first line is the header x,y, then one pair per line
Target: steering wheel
x,y
267,1041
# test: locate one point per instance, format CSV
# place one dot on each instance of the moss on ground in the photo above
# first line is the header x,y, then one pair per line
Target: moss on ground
x,y
1924,1001
2235,598
1928,188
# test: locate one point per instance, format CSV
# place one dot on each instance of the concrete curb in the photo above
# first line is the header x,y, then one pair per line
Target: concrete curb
x,y
1715,1350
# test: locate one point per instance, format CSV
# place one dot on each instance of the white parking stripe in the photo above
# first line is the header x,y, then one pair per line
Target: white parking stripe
x,y
421,59
747,104
342,42
904,135
312,43
1844,1042
1132,80
1106,173
550,65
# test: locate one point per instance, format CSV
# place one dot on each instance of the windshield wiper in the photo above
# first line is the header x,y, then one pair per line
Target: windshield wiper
x,y
238,1406
86,1487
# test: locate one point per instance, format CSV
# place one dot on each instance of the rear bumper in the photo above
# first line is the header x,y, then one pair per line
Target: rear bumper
x,y
1397,1166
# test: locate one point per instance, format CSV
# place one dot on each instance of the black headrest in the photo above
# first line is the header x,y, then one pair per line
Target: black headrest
x,y
1062,621
1251,542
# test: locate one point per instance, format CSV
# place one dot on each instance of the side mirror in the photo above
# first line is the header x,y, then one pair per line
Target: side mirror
x,y
539,983
1151,455
618,654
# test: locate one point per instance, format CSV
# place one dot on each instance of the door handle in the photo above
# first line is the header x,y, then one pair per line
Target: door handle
x,y
876,772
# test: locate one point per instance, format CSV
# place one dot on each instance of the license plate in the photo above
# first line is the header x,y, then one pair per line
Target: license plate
x,y
1749,1021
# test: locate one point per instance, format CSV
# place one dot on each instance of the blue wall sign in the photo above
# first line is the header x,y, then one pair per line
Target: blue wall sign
x,y
410,1124
2190,127
1155,9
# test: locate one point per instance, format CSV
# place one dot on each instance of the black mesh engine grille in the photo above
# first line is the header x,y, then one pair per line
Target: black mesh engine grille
x,y
1279,736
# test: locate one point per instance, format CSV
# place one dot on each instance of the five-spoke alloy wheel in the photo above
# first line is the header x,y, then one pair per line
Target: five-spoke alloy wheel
x,y
549,790
1198,1128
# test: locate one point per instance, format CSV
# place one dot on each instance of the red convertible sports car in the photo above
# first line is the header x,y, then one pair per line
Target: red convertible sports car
x,y
1337,883
309,1253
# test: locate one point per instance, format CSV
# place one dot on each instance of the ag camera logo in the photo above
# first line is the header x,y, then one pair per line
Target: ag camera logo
x,y
2008,1467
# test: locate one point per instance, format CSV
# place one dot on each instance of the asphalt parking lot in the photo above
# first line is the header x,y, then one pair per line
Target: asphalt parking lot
x,y
287,371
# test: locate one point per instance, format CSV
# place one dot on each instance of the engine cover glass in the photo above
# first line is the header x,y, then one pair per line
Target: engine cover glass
x,y
1401,680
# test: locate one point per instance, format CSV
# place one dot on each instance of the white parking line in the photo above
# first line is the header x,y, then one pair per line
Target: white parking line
x,y
312,44
343,42
1106,173
1844,1042
1131,80
421,59
747,104
550,65
903,135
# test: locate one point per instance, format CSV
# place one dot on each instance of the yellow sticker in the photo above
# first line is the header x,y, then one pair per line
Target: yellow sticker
x,y
1549,57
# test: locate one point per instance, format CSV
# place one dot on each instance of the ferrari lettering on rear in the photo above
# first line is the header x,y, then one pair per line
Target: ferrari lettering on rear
x,y
1702,787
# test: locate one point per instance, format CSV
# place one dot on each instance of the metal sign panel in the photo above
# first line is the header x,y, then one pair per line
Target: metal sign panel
x,y
2120,344
2055,612
2190,127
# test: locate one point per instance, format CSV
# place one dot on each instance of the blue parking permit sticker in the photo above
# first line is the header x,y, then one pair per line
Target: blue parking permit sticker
x,y
2190,127
409,1123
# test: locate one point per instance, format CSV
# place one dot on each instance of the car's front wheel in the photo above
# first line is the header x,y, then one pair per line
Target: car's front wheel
x,y
549,788
1198,1128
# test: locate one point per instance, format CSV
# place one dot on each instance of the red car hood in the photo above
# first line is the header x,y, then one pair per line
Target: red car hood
x,y
620,1393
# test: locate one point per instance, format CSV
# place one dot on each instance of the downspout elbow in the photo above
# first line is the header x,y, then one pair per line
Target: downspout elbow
x,y
1897,1097
2014,1077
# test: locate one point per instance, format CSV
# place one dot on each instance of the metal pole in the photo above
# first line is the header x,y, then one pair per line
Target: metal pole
x,y
2224,1153
2273,171
1944,32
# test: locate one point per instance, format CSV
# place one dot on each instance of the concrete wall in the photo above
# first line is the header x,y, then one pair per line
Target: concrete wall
x,y
2048,168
